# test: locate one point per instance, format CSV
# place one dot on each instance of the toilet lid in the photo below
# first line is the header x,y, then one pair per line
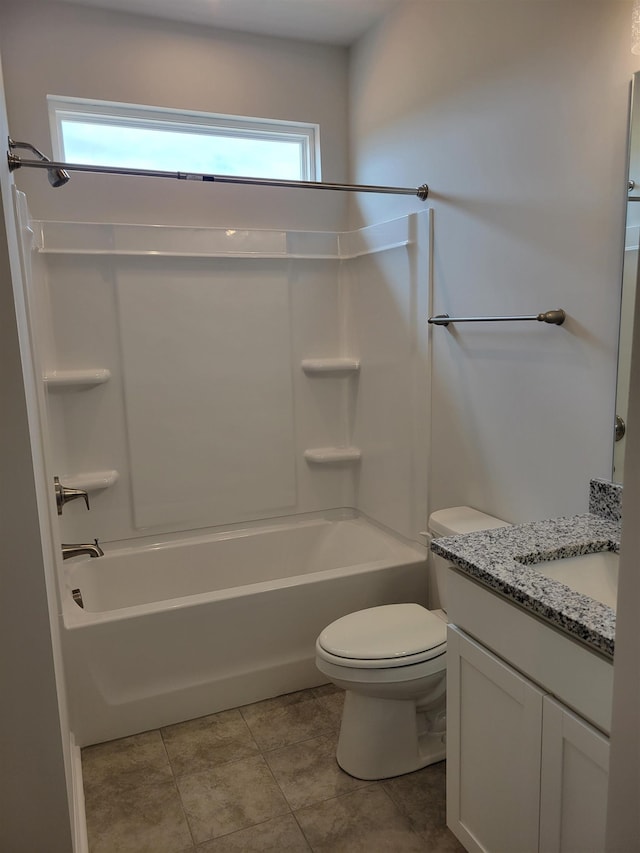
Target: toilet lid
x,y
393,631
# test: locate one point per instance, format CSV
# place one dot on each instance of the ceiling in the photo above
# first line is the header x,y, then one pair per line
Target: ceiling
x,y
338,22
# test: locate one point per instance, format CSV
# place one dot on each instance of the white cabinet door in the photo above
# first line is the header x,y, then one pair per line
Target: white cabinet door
x,y
573,795
494,723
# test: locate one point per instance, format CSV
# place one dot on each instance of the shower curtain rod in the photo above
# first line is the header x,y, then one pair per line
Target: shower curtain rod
x,y
16,162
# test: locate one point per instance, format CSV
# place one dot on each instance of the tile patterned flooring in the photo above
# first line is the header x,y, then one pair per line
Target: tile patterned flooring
x,y
257,778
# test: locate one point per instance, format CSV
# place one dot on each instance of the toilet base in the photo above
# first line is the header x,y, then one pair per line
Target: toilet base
x,y
382,738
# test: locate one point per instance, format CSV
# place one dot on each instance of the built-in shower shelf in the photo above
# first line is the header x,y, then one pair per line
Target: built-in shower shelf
x,y
326,366
76,378
90,481
329,455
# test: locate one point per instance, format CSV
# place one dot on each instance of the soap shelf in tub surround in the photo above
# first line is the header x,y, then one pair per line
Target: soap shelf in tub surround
x,y
498,559
328,366
91,481
76,378
332,455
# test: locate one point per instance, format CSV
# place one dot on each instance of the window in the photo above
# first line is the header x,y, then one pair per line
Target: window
x,y
138,137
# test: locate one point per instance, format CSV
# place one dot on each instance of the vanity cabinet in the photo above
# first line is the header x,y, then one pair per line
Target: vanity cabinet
x,y
494,725
573,789
524,773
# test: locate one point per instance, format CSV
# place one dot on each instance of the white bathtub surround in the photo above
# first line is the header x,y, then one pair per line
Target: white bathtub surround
x,y
246,370
178,628
388,298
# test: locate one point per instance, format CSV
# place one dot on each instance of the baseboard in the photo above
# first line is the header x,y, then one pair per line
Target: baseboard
x,y
80,840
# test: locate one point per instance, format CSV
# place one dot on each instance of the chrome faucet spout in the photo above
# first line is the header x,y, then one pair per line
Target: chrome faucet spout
x,y
93,550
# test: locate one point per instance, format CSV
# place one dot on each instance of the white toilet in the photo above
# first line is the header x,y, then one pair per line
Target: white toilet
x,y
391,660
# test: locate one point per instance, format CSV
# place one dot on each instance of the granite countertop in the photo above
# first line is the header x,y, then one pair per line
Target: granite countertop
x,y
495,558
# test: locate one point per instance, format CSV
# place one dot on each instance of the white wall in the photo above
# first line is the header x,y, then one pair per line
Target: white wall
x,y
34,812
52,48
516,115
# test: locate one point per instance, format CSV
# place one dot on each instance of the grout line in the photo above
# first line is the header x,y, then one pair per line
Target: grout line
x,y
184,812
304,834
175,783
284,796
320,733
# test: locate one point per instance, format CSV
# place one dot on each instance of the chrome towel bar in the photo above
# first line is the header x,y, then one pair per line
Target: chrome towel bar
x,y
556,318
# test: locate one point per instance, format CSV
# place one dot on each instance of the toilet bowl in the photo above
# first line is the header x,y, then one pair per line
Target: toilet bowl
x,y
391,661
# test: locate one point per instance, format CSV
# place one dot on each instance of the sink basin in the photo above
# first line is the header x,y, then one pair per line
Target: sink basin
x,y
595,575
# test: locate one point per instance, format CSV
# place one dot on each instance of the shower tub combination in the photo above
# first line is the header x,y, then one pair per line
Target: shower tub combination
x,y
186,627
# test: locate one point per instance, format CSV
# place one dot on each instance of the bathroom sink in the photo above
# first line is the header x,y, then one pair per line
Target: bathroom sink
x,y
595,575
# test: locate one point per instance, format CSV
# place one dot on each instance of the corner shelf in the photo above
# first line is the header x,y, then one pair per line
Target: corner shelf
x,y
326,366
76,378
330,455
91,481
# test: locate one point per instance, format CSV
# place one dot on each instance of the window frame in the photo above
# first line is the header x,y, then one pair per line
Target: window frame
x,y
306,134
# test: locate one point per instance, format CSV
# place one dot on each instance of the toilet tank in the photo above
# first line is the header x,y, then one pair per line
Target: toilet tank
x,y
452,522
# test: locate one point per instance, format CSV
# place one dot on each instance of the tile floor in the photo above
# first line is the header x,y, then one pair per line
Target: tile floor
x,y
257,778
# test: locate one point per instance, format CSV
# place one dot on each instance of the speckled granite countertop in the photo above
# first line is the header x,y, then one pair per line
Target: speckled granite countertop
x,y
495,558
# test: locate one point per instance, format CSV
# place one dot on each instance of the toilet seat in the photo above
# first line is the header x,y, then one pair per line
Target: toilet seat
x,y
391,636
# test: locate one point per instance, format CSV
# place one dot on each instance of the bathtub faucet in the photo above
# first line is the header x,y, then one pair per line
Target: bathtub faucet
x,y
75,550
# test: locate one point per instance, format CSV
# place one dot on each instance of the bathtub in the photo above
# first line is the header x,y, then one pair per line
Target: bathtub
x,y
176,629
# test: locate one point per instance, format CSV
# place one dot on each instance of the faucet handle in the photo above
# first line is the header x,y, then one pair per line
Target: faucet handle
x,y
64,494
